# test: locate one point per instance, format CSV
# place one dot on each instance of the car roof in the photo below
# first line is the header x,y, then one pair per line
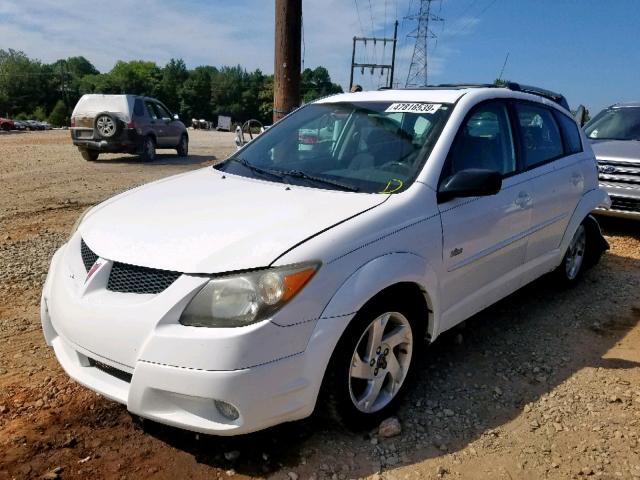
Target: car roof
x,y
450,94
626,104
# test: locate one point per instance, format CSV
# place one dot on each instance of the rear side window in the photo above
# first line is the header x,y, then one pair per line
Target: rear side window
x,y
138,108
540,134
570,134
151,109
484,141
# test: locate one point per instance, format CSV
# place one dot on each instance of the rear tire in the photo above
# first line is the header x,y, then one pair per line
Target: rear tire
x,y
89,155
183,146
148,150
371,364
574,261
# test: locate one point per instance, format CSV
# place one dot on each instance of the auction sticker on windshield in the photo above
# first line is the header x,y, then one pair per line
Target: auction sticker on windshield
x,y
413,107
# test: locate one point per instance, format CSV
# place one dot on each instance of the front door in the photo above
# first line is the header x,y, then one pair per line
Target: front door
x,y
484,238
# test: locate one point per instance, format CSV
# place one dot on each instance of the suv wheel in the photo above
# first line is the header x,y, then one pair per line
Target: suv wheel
x,y
89,155
573,263
367,373
107,125
148,150
183,146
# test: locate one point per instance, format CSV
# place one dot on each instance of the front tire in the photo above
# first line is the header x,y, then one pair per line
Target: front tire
x,y
183,146
89,155
368,372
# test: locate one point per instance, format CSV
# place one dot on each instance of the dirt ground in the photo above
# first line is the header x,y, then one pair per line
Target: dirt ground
x,y
545,384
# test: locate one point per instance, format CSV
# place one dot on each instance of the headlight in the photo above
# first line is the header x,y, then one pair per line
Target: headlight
x,y
240,300
79,221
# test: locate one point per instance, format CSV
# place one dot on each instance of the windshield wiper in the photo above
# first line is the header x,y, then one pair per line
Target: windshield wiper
x,y
312,178
253,168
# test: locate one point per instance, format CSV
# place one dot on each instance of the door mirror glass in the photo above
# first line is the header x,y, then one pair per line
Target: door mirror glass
x,y
472,182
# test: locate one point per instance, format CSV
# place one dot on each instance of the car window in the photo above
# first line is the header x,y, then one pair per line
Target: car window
x,y
138,108
541,140
162,112
151,109
570,134
484,141
374,147
620,123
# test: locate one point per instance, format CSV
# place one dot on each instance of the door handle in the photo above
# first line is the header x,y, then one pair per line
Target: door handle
x,y
576,178
523,199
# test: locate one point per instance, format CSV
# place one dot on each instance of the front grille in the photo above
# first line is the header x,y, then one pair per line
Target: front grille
x,y
625,204
619,172
114,372
125,278
88,257
132,279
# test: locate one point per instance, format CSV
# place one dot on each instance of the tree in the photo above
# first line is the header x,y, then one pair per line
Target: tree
x,y
174,74
136,77
59,115
317,83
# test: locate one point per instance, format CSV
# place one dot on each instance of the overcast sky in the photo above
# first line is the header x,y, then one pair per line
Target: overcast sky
x,y
586,49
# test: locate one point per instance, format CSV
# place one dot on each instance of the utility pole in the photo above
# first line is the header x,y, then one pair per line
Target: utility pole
x,y
286,72
389,68
418,73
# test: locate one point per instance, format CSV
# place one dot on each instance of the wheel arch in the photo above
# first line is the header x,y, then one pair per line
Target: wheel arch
x,y
400,273
582,213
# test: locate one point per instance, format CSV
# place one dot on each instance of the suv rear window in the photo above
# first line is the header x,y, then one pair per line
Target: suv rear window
x,y
540,134
138,108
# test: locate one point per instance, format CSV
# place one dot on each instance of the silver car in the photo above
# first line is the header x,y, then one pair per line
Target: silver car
x,y
615,139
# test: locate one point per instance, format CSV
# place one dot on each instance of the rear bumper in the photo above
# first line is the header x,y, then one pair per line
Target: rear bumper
x,y
127,141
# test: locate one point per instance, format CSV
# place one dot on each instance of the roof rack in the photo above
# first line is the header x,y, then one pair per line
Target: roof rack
x,y
516,87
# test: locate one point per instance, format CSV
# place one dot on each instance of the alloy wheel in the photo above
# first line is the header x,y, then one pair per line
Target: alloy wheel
x,y
380,362
575,253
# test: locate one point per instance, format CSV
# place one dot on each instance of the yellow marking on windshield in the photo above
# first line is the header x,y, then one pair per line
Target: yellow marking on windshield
x,y
388,189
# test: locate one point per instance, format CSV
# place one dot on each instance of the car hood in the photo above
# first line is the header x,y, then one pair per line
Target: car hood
x,y
628,150
212,222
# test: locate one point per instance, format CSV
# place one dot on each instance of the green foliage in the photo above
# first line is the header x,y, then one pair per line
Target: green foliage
x,y
316,84
27,85
59,115
39,114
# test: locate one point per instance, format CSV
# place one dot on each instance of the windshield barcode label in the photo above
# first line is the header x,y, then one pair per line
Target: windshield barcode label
x,y
413,107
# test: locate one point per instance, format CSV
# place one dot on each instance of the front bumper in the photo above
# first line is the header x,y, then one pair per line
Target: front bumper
x,y
625,201
174,374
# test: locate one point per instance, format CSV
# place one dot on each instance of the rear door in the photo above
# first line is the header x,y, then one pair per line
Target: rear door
x,y
484,238
171,129
155,123
556,177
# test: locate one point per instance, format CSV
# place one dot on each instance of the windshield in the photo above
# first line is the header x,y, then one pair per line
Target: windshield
x,y
615,124
372,147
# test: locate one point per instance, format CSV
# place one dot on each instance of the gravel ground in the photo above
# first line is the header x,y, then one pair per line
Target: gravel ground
x,y
544,384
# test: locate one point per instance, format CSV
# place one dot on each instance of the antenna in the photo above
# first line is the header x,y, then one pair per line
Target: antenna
x,y
504,65
418,71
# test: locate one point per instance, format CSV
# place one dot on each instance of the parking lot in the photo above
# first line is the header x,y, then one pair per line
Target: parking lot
x,y
545,384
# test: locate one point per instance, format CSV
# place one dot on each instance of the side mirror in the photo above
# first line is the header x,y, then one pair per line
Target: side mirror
x,y
176,117
473,182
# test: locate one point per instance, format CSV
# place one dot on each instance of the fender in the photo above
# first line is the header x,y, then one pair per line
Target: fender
x,y
588,202
383,272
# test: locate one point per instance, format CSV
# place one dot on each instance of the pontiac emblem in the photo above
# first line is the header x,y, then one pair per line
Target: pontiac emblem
x,y
93,269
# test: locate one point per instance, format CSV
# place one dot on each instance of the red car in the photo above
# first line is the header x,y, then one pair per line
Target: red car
x,y
6,124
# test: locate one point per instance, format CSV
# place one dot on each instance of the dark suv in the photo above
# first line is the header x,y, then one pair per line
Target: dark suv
x,y
126,124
